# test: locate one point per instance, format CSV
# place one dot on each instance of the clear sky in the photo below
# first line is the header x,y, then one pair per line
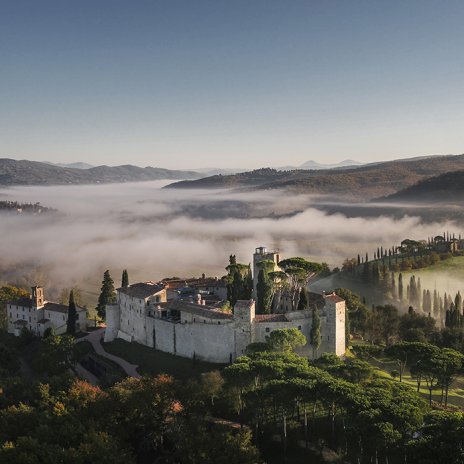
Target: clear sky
x,y
230,83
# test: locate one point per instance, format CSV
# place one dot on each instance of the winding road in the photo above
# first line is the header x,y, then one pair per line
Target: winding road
x,y
94,339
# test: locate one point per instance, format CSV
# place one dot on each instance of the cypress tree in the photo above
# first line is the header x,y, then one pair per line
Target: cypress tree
x,y
72,315
458,302
436,304
303,302
400,287
263,293
315,332
106,295
393,286
125,279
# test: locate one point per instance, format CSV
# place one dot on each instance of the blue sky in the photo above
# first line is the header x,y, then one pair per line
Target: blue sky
x,y
230,83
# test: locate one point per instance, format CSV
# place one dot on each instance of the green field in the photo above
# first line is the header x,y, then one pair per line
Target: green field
x,y
156,362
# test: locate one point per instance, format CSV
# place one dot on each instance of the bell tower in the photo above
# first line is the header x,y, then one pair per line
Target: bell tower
x,y
37,297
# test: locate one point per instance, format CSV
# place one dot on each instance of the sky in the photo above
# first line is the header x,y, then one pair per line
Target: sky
x,y
230,83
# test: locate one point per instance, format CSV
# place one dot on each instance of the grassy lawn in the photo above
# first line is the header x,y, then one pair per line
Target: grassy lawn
x,y
384,366
156,362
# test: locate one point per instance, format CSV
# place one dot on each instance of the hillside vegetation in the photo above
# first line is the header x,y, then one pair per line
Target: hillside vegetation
x,y
23,172
447,187
367,181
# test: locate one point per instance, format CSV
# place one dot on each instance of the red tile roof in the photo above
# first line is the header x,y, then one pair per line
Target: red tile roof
x,y
271,318
334,297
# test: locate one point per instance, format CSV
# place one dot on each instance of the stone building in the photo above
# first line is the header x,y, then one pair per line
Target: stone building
x,y
192,329
37,315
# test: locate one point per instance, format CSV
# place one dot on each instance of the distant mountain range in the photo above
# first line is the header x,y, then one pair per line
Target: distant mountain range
x,y
23,172
311,164
78,165
362,182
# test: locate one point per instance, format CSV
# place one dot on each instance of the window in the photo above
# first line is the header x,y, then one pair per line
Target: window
x,y
299,327
64,318
267,329
194,320
219,322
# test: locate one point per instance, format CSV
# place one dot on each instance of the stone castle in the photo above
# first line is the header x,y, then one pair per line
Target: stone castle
x,y
187,321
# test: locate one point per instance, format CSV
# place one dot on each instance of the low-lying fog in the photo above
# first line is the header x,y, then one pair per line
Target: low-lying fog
x,y
156,232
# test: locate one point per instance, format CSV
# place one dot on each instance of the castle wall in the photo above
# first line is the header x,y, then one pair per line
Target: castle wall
x,y
113,315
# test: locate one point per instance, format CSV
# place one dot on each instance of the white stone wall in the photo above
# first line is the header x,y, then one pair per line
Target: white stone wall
x,y
113,315
219,340
30,315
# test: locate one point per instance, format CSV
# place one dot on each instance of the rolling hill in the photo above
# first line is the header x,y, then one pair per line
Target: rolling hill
x,y
364,182
448,187
23,172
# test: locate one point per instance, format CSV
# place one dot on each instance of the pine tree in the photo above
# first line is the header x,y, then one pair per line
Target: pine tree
x,y
107,295
72,315
125,279
303,302
315,332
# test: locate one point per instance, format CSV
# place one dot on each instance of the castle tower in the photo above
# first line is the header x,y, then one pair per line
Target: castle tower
x,y
261,254
244,315
335,326
37,297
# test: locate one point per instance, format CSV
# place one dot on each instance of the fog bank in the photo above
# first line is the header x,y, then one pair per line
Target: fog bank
x,y
156,233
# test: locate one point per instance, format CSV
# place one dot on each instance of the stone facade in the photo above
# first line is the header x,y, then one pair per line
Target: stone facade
x,y
37,315
198,331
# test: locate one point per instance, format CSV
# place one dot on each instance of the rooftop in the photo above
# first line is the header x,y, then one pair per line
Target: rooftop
x,y
25,302
271,318
142,290
209,312
194,282
334,297
59,308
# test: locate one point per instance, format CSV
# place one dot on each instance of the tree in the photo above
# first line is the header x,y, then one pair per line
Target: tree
x,y
239,281
264,292
388,319
211,384
303,303
299,271
107,295
400,287
125,279
315,332
357,312
286,339
72,315
57,354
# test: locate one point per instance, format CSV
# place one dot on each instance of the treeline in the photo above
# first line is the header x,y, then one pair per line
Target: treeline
x,y
383,324
55,417
342,403
28,208
410,254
